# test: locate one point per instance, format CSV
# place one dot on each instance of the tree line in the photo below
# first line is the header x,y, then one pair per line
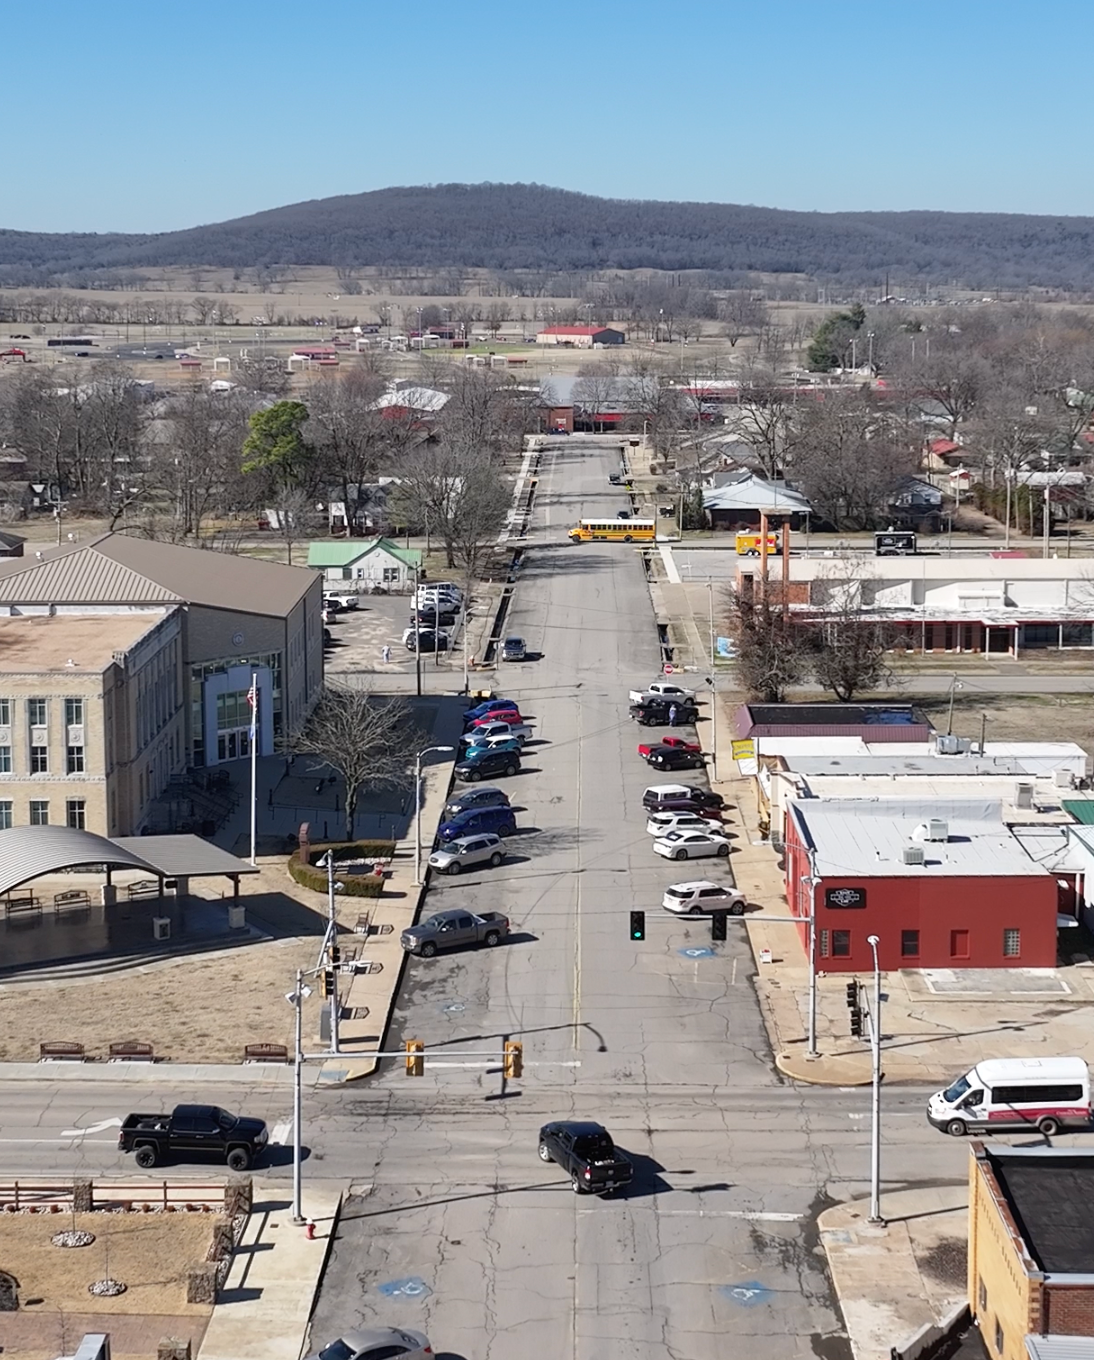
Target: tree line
x,y
531,227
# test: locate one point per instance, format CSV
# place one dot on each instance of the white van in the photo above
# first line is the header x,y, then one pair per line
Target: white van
x,y
1015,1093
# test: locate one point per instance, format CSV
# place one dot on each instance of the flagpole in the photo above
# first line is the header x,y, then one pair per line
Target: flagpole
x,y
254,761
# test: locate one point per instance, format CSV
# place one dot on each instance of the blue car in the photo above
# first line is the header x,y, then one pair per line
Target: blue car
x,y
488,706
500,820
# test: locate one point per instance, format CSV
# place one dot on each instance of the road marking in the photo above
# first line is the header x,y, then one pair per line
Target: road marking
x,y
92,1128
111,1142
746,1214
281,1133
497,1062
576,1028
733,974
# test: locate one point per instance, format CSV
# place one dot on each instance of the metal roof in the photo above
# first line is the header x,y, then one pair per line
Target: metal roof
x,y
341,554
28,852
756,493
866,839
1060,1347
118,569
184,856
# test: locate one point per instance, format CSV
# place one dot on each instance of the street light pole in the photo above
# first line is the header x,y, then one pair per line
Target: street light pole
x,y
332,945
418,810
297,998
875,1132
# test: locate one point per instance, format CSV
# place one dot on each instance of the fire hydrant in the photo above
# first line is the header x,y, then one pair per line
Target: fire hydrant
x,y
309,1230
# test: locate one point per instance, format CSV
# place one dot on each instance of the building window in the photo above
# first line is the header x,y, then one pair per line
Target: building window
x,y
74,760
5,712
5,760
983,1294
823,945
998,1336
74,712
1012,944
75,813
391,575
959,944
39,812
841,944
5,815
909,944
39,760
36,712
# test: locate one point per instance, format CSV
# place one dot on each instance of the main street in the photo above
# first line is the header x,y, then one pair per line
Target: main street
x,y
713,1252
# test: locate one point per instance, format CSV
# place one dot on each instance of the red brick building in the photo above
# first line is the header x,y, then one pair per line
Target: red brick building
x,y
942,885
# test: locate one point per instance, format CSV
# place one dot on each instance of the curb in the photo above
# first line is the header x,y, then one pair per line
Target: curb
x,y
790,1065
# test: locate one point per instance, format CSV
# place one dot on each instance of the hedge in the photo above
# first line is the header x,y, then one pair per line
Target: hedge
x,y
353,885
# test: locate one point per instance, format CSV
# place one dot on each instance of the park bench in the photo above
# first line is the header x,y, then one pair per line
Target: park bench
x,y
257,1053
15,903
144,887
71,897
132,1050
59,1050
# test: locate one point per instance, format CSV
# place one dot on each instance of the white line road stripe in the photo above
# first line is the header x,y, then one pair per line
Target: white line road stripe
x,y
114,1123
746,1214
497,1062
63,1138
281,1133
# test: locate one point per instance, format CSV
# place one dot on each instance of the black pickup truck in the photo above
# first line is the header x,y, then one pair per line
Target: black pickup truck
x,y
193,1131
586,1153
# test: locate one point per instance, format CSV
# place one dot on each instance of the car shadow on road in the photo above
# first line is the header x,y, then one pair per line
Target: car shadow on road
x,y
521,937
647,1178
551,1187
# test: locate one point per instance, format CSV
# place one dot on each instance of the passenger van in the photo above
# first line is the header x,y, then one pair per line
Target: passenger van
x,y
1015,1093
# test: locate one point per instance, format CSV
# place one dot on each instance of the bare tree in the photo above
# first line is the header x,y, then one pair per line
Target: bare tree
x,y
742,314
847,648
771,651
350,433
459,495
193,452
297,517
365,738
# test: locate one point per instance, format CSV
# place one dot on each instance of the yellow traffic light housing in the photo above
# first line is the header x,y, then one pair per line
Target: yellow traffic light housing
x,y
415,1058
514,1058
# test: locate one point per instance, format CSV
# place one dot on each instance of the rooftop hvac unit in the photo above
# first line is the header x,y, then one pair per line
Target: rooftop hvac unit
x,y
938,830
913,854
161,927
947,744
1023,796
1063,779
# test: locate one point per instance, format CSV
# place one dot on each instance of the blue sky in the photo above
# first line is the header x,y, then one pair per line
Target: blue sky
x,y
151,116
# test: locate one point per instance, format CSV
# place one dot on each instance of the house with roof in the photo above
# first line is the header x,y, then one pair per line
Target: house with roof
x,y
377,562
742,497
580,337
238,618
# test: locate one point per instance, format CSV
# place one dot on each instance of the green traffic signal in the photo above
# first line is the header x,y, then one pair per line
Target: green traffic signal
x,y
638,925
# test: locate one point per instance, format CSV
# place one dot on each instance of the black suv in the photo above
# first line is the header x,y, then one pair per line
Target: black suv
x,y
487,796
689,793
675,758
489,764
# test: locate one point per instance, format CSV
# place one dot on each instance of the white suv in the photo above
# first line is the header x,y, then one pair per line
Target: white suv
x,y
468,850
702,897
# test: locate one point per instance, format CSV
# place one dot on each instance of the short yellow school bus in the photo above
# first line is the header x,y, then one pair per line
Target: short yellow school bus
x,y
614,531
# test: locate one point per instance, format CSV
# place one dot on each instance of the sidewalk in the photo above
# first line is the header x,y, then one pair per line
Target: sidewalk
x,y
895,1279
262,1313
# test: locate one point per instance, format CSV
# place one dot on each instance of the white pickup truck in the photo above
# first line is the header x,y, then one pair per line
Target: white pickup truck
x,y
662,689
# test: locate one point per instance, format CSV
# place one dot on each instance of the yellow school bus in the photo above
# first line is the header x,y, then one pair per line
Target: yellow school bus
x,y
748,545
614,531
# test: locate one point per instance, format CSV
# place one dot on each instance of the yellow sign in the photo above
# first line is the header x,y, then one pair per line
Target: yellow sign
x,y
744,750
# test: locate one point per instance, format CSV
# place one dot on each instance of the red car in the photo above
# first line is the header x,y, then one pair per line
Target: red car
x,y
676,743
509,715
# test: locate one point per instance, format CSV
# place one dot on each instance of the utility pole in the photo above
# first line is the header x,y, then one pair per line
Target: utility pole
x,y
297,998
875,1132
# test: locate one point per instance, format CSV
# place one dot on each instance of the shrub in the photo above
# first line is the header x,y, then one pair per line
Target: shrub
x,y
353,885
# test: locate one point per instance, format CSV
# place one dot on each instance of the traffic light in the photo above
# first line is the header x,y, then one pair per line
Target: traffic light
x,y
718,925
514,1058
327,982
335,954
415,1058
856,1022
852,995
638,925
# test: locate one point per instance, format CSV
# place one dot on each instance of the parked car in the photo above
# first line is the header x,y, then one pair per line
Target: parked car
x,y
466,851
375,1343
661,823
662,689
701,897
658,713
472,741
513,649
711,815
484,796
691,845
482,763
671,758
676,743
488,706
441,618
506,715
502,821
450,929
428,641
501,727
586,1153
658,794
338,600
196,1131
614,479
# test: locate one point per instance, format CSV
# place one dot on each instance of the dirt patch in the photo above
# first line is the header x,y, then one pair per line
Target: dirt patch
x,y
1015,717
194,1009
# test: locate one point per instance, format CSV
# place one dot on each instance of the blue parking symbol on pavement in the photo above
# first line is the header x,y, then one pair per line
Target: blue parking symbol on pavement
x,y
413,1287
697,952
746,1295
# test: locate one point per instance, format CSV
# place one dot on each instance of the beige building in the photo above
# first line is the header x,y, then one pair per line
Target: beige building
x,y
91,718
231,618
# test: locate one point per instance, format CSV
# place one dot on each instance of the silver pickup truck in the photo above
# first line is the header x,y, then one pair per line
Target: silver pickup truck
x,y
449,929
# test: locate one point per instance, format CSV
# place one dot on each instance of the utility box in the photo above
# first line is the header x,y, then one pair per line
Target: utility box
x,y
237,918
161,927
